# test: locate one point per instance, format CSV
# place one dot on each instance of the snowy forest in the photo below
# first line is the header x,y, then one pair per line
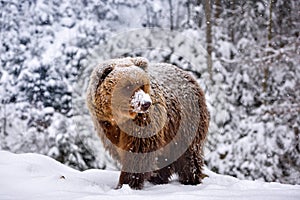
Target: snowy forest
x,y
244,54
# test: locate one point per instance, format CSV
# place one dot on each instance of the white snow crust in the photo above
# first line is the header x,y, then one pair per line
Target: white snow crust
x,y
37,177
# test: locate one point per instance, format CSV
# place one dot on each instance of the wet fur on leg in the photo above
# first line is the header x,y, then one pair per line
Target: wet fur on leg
x,y
134,180
189,169
161,176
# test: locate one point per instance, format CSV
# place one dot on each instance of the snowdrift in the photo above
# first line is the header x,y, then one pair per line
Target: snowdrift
x,y
37,177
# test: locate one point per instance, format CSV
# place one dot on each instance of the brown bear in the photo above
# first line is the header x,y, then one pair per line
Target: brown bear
x,y
152,118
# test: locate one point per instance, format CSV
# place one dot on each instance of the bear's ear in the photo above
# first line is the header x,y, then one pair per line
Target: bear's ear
x,y
140,62
105,73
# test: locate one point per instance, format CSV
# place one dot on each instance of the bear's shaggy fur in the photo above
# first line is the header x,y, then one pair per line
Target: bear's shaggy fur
x,y
167,138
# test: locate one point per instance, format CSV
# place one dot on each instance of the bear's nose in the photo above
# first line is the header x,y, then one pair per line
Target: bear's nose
x,y
145,105
141,101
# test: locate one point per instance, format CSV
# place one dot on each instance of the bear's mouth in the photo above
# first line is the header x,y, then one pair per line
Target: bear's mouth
x,y
140,101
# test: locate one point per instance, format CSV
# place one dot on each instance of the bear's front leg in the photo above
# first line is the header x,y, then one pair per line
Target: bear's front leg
x,y
189,168
161,176
134,180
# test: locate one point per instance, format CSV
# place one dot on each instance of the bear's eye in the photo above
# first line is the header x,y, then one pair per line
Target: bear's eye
x,y
129,88
142,88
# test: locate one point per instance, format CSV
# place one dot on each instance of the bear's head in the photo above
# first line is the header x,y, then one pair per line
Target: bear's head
x,y
122,89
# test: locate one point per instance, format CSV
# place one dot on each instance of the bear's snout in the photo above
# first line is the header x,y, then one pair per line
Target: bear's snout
x,y
141,101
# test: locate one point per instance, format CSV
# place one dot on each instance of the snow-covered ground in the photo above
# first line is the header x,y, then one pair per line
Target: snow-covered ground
x,y
37,177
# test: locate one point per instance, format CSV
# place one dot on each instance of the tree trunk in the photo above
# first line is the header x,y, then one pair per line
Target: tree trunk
x,y
266,69
188,12
171,15
208,36
4,120
218,9
231,29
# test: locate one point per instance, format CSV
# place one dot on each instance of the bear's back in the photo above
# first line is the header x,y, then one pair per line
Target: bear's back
x,y
176,80
181,85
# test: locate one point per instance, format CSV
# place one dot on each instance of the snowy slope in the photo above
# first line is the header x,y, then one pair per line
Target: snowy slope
x,y
37,177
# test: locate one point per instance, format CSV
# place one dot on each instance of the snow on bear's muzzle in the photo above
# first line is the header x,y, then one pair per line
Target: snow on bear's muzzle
x,y
141,101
